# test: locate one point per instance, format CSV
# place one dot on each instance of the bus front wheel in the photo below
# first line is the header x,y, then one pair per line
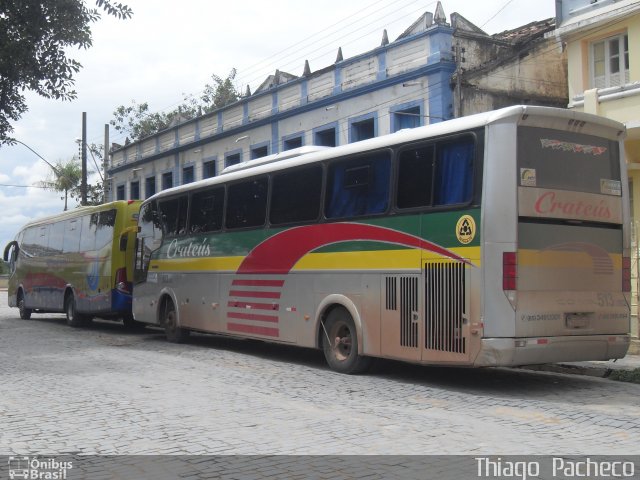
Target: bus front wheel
x,y
340,343
25,313
172,330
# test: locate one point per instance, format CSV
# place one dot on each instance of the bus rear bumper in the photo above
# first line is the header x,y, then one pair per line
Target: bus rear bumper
x,y
496,352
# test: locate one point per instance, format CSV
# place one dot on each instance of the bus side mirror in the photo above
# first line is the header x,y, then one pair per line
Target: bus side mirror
x,y
7,249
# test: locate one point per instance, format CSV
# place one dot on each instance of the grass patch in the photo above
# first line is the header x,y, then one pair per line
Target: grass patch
x,y
631,376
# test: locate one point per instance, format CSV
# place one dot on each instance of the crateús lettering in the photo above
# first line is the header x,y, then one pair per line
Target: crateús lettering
x,y
549,204
191,250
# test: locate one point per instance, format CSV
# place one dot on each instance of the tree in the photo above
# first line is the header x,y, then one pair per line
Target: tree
x,y
221,93
137,121
65,178
35,37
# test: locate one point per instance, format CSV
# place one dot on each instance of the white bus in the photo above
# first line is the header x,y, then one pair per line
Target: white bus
x,y
492,240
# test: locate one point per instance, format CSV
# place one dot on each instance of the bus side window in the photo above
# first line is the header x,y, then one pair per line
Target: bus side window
x,y
71,243
206,212
105,228
174,215
454,172
88,232
247,203
56,238
358,187
295,195
415,177
29,242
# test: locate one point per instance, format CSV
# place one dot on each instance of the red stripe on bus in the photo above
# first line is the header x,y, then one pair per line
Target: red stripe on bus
x,y
259,283
253,316
266,331
279,253
258,306
252,294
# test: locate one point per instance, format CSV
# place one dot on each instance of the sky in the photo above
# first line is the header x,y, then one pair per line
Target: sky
x,y
170,49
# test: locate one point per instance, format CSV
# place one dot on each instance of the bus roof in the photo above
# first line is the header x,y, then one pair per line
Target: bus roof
x,y
79,211
306,155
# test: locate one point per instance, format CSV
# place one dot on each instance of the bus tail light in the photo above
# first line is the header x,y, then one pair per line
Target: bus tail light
x,y
626,274
121,281
509,270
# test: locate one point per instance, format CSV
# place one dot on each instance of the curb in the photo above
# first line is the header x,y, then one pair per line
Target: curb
x,y
590,371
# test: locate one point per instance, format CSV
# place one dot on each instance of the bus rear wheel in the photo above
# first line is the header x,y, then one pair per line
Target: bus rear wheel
x,y
172,330
340,343
74,319
25,313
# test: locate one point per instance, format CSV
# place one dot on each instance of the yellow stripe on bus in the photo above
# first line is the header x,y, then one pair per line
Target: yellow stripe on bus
x,y
369,260
538,258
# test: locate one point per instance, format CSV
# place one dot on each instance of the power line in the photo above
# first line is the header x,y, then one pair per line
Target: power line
x,y
22,186
243,76
395,100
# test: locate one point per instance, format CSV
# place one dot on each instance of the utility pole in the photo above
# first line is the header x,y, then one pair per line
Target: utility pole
x,y
83,185
458,54
105,162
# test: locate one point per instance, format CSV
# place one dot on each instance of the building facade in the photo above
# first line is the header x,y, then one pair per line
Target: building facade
x,y
400,84
602,41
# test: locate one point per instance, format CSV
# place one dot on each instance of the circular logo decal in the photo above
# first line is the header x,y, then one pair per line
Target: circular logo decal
x,y
466,229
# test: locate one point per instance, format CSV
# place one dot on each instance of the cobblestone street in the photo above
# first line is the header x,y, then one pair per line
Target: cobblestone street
x,y
104,390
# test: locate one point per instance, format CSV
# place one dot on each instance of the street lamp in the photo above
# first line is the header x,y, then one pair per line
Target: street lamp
x,y
38,155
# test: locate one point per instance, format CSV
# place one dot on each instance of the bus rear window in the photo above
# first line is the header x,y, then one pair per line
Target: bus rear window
x,y
568,161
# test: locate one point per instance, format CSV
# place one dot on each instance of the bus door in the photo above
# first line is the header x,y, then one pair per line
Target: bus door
x,y
148,240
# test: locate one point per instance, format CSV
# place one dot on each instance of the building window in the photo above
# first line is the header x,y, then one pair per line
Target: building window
x,y
120,192
135,191
167,180
362,128
187,174
292,142
326,137
402,118
232,159
150,187
209,169
610,62
259,151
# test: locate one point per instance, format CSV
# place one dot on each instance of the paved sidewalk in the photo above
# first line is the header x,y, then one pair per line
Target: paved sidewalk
x,y
601,369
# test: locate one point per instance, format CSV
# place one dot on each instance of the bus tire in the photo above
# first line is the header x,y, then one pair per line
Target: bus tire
x,y
172,331
25,313
74,319
340,343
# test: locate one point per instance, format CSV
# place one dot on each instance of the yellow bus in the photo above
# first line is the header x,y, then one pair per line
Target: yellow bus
x,y
75,263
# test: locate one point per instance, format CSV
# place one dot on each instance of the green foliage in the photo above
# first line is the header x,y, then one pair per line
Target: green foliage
x,y
632,376
66,179
137,121
4,267
35,38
